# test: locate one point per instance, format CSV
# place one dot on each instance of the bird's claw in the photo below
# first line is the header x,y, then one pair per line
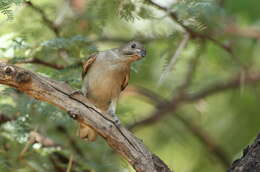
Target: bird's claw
x,y
117,122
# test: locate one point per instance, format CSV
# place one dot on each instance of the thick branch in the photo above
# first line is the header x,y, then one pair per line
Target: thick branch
x,y
250,161
79,108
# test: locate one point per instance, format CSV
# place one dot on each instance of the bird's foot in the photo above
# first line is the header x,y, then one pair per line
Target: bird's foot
x,y
117,121
76,92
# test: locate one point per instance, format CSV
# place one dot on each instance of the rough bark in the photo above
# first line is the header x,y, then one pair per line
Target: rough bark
x,y
250,161
80,109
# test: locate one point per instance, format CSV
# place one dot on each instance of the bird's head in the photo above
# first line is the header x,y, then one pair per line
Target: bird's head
x,y
133,50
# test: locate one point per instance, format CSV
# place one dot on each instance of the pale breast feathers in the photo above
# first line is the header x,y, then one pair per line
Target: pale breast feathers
x,y
107,66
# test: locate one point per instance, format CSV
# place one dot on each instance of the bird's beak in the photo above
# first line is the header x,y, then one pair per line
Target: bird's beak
x,y
142,52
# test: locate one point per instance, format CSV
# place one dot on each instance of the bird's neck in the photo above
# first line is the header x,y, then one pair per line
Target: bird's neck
x,y
118,57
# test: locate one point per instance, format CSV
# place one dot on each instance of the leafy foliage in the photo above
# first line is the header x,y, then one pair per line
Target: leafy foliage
x,y
230,119
5,6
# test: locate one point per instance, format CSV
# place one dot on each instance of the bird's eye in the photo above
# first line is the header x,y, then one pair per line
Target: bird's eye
x,y
133,45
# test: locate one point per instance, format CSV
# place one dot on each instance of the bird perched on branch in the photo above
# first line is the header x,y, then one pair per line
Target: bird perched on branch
x,y
105,74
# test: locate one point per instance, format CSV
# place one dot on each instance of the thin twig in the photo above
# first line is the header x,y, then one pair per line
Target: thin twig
x,y
192,33
71,140
45,19
70,164
174,58
38,61
44,141
221,3
28,144
248,32
36,136
195,34
191,69
41,62
123,40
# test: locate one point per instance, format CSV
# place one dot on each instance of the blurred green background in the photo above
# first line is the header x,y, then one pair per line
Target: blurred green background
x,y
206,134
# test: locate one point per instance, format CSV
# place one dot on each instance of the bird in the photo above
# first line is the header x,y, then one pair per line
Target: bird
x,y
105,75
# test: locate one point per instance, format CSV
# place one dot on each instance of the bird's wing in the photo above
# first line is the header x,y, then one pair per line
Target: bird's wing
x,y
87,64
125,82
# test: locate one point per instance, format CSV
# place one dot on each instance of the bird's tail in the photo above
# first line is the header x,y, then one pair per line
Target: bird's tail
x,y
87,133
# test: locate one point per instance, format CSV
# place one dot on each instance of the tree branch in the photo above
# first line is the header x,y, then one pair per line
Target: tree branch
x,y
81,110
210,144
192,33
248,32
221,3
171,106
39,138
35,60
174,58
41,62
4,118
195,34
250,161
45,19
